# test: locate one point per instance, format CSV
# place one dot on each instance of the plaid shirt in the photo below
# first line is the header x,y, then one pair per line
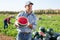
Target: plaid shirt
x,y
31,18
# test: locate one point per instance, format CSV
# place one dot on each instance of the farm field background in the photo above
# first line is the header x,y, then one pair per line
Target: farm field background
x,y
46,20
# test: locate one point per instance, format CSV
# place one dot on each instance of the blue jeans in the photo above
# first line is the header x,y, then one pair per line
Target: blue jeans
x,y
5,25
23,36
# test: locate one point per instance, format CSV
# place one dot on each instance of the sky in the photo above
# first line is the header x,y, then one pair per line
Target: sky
x,y
17,5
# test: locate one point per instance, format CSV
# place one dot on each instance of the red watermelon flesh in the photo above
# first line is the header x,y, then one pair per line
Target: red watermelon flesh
x,y
22,20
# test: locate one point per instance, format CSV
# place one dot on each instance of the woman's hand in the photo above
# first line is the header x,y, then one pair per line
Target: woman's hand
x,y
30,26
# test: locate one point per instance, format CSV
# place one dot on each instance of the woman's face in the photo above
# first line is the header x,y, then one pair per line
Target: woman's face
x,y
28,7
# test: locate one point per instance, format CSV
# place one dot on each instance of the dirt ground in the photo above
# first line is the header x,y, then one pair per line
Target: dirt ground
x,y
4,37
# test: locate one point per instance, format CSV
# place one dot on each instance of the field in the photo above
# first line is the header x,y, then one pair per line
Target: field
x,y
48,21
11,30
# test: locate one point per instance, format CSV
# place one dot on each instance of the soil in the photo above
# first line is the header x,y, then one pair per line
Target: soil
x,y
4,37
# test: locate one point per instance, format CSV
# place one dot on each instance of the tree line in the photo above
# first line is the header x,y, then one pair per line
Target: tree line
x,y
47,11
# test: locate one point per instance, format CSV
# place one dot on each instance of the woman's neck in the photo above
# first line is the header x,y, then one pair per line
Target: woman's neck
x,y
28,12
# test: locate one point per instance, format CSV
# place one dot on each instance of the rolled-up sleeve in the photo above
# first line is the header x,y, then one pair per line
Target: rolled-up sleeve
x,y
20,14
35,23
16,23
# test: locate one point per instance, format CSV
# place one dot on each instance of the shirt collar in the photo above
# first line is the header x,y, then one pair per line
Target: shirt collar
x,y
27,13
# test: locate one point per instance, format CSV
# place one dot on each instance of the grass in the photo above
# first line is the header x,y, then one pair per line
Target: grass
x,y
48,21
11,30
